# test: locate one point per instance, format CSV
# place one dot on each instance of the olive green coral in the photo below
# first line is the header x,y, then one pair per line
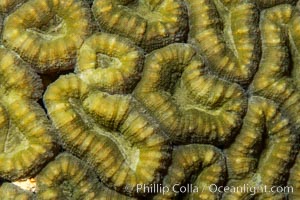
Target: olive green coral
x,y
48,33
150,24
294,46
9,191
7,5
140,109
176,89
226,34
68,178
207,162
111,132
294,180
249,161
26,140
110,62
278,28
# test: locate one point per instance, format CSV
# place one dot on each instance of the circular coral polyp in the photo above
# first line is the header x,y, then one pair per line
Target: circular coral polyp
x,y
191,104
67,177
150,24
110,62
26,142
47,33
110,132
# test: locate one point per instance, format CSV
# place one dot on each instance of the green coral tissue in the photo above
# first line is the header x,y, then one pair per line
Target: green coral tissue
x,y
149,99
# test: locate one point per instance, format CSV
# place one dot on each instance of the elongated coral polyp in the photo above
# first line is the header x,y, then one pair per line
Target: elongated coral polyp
x,y
269,168
150,24
110,62
9,191
150,99
26,139
272,80
54,47
226,34
176,89
67,177
110,132
205,160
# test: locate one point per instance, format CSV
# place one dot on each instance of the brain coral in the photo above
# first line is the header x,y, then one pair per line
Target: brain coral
x,y
47,33
150,99
150,24
9,191
26,139
67,177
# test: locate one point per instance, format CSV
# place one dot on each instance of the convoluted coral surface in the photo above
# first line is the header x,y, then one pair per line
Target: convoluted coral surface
x,y
149,99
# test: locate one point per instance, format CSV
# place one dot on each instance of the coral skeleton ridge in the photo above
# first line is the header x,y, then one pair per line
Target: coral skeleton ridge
x,y
123,99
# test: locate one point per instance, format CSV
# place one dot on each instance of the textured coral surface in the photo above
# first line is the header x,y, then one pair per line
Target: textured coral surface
x,y
149,99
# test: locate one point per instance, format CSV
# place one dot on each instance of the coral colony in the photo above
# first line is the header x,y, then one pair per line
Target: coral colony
x,y
149,99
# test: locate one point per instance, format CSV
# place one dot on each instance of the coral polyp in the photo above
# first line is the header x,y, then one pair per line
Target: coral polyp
x,y
26,140
279,27
67,177
150,24
206,161
7,5
9,191
149,99
176,89
280,144
110,62
294,180
226,34
111,132
47,33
